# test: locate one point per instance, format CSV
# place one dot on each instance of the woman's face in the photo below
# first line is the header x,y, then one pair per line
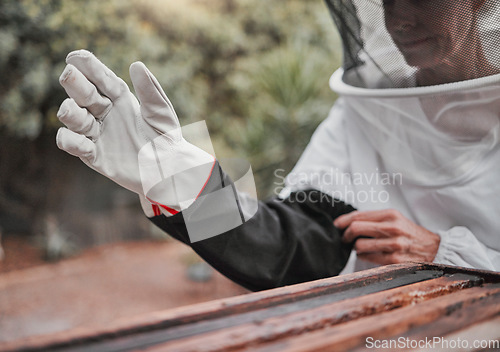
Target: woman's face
x,y
430,33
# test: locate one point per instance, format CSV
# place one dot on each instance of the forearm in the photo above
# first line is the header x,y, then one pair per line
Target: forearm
x,y
285,242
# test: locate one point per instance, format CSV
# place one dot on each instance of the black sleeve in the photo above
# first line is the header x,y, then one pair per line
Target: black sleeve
x,y
286,242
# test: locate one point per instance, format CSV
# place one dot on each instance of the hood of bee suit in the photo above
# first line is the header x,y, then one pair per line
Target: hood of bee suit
x,y
421,79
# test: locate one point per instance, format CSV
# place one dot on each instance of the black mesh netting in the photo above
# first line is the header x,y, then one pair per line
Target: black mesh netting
x,y
405,43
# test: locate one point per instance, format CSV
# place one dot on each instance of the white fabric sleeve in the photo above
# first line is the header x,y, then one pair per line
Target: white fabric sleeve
x,y
460,247
325,163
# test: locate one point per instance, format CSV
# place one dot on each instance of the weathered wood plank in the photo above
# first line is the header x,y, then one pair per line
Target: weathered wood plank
x,y
352,335
239,318
487,332
215,309
466,316
305,321
334,314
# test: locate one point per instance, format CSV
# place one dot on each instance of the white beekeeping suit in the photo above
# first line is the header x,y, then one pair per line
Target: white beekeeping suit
x,y
416,126
415,130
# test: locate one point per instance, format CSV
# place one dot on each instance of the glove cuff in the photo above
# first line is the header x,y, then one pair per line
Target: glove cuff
x,y
222,205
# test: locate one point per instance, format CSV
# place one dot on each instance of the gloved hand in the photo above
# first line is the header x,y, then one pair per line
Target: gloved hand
x,y
140,147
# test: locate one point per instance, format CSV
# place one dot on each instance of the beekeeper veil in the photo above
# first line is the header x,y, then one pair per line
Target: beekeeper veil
x,y
421,80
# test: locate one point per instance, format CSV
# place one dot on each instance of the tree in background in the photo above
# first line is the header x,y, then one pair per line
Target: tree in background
x,y
37,180
255,70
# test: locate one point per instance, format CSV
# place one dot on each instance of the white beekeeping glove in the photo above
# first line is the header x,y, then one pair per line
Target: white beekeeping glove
x,y
139,146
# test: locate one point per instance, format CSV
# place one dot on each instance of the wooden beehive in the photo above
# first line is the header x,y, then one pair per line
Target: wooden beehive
x,y
405,307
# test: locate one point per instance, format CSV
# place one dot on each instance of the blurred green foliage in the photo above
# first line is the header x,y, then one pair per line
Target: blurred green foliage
x,y
35,37
256,70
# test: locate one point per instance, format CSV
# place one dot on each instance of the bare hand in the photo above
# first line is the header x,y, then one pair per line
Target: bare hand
x,y
387,237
